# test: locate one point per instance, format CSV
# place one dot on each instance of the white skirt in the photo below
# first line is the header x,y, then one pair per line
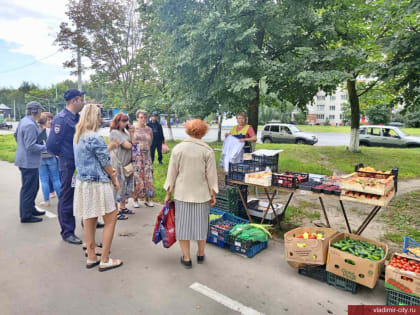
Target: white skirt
x,y
93,199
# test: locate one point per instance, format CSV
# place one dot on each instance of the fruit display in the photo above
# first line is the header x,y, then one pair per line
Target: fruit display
x,y
327,189
312,236
360,248
213,217
259,178
289,179
367,198
414,250
406,264
364,184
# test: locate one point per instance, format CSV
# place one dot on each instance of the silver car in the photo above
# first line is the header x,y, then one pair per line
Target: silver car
x,y
286,133
387,136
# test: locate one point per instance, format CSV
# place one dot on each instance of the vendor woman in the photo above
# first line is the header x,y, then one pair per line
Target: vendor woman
x,y
244,132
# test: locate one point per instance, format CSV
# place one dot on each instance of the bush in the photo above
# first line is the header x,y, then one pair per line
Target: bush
x,y
378,114
327,122
300,118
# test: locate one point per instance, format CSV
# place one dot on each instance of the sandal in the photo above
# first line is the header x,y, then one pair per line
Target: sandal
x,y
127,211
111,264
121,217
97,245
92,263
96,252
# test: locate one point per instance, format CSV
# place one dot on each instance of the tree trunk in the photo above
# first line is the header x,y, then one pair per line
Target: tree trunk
x,y
253,109
355,116
168,112
79,69
219,132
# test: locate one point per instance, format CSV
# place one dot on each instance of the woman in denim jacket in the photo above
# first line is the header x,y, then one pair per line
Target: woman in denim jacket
x,y
95,180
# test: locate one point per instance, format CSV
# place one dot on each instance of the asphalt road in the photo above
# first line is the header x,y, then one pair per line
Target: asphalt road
x,y
324,138
41,274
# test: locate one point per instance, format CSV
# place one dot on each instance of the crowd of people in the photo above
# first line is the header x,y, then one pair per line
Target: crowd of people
x,y
94,180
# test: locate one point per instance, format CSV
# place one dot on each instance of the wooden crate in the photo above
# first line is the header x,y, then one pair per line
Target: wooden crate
x,y
382,202
264,181
382,188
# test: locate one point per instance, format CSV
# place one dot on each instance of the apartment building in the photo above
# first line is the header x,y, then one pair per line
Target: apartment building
x,y
327,107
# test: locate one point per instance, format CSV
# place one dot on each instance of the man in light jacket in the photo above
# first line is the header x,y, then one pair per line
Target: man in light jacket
x,y
28,159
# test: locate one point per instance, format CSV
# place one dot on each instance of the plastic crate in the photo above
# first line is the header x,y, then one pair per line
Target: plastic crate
x,y
267,161
237,171
394,297
315,272
222,235
341,283
214,240
409,242
289,179
247,248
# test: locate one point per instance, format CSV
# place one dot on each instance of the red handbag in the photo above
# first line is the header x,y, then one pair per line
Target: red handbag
x,y
165,226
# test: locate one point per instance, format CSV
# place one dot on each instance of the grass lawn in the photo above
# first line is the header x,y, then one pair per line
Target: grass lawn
x,y
300,158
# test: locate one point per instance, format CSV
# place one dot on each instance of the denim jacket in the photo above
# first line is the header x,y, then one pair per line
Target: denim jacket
x,y
91,157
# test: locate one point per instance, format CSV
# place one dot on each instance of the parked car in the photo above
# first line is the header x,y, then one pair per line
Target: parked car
x,y
396,124
4,124
286,133
387,136
106,122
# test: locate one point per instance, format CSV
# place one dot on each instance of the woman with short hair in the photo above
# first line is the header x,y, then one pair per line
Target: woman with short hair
x,y
192,178
142,139
48,171
95,184
121,132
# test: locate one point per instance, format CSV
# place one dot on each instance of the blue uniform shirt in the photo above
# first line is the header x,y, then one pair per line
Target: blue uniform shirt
x,y
60,140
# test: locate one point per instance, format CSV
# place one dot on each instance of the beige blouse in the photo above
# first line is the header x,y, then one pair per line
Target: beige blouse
x,y
192,173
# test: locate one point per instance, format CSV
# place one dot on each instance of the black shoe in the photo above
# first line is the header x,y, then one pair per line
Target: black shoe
x,y
100,225
160,162
200,259
186,264
31,220
35,212
72,239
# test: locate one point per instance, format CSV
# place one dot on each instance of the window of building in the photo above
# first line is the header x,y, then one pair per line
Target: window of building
x,y
274,128
332,117
320,116
320,98
344,96
332,108
341,116
332,97
321,107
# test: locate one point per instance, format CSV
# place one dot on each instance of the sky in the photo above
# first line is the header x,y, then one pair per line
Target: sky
x,y
27,50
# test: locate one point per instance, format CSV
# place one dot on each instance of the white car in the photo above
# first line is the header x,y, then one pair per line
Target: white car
x,y
286,133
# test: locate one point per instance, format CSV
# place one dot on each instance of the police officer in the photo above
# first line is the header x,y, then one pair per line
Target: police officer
x,y
60,143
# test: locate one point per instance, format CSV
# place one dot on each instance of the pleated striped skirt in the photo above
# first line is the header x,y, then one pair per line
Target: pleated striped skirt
x,y
191,220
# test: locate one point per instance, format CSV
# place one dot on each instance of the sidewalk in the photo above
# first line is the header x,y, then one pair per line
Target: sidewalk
x,y
41,274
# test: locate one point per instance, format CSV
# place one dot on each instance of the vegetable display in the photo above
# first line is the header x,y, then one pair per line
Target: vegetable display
x,y
414,250
253,232
213,217
406,264
311,236
360,249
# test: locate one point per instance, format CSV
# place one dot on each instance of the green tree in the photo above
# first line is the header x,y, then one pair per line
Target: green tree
x,y
378,114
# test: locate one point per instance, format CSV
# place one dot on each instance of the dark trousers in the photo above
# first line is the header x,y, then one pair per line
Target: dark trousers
x,y
65,202
28,192
156,145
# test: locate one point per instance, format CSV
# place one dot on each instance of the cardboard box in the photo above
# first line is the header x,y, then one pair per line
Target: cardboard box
x,y
360,270
308,251
401,280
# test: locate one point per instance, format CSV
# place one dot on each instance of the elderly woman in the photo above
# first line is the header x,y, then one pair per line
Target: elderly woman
x,y
192,177
244,132
95,184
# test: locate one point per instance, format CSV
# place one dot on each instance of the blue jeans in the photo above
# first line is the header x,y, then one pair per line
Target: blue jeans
x,y
49,170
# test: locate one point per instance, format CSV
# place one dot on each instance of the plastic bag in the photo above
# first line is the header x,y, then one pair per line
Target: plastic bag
x,y
165,226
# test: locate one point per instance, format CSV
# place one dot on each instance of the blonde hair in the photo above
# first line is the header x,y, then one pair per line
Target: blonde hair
x,y
140,111
89,121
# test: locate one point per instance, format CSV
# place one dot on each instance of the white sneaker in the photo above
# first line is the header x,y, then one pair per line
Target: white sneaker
x,y
136,204
44,203
149,204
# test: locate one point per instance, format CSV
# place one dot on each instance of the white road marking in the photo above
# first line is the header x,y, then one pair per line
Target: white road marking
x,y
222,299
48,214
